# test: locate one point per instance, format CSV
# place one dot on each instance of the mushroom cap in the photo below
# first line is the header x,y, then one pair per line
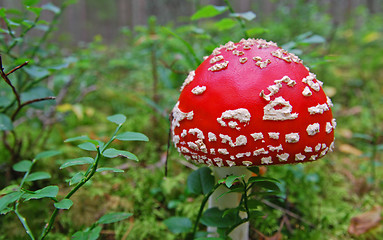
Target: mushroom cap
x,y
252,103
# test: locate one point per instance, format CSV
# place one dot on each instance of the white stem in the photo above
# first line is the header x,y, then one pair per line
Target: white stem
x,y
230,200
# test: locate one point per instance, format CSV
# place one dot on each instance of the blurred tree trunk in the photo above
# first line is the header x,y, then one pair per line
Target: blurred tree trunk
x,y
371,6
242,6
138,12
123,12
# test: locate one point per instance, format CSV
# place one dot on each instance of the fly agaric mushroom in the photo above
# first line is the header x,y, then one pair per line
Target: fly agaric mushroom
x,y
249,104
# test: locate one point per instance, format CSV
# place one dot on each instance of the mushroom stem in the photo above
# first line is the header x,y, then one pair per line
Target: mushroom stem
x,y
230,200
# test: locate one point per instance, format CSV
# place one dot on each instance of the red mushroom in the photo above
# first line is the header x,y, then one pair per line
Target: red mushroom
x,y
252,103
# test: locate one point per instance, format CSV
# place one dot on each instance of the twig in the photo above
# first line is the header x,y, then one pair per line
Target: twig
x,y
187,164
6,79
288,212
23,34
126,234
17,68
204,201
86,91
88,176
29,102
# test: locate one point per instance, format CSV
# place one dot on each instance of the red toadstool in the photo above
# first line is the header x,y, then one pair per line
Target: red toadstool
x,y
252,103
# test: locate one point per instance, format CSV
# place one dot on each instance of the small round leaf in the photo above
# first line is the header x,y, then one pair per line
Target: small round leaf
x,y
113,217
117,119
64,204
22,166
5,123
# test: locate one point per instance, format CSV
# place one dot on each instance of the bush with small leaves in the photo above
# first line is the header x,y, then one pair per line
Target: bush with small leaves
x,y
15,196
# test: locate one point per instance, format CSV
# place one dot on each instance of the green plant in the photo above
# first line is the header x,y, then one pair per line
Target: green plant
x,y
17,195
18,47
201,182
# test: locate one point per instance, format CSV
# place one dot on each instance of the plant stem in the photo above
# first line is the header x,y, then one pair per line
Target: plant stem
x,y
231,200
18,214
13,117
88,175
6,79
244,220
86,178
204,201
23,221
14,44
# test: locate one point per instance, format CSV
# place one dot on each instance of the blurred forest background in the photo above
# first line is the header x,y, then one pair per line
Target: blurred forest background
x,y
90,59
87,18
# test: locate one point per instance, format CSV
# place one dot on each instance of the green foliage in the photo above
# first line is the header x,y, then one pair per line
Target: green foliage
x,y
141,78
201,181
208,11
178,224
27,104
11,201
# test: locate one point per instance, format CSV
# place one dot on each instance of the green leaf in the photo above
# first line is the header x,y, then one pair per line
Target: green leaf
x,y
2,13
112,153
239,188
210,238
30,2
79,138
314,39
87,146
253,203
77,161
116,170
132,136
254,170
113,217
36,72
225,24
9,189
64,204
268,185
231,179
249,16
51,7
42,27
117,119
37,176
201,181
4,102
178,224
8,199
22,166
27,23
208,11
88,234
47,192
264,194
76,178
35,10
214,217
47,154
5,123
256,31
230,211
262,179
256,214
